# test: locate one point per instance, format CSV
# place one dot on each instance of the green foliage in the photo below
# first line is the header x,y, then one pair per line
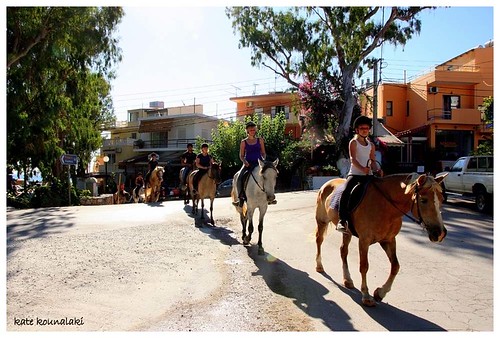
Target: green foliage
x,y
59,64
226,140
487,110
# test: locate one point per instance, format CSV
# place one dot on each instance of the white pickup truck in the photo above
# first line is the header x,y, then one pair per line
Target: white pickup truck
x,y
471,176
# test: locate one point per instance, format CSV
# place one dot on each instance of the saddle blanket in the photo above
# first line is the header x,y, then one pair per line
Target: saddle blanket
x,y
337,193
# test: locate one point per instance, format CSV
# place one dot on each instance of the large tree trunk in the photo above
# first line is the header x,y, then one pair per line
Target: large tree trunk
x,y
345,117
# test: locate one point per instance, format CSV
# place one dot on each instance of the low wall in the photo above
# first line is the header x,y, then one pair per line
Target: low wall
x,y
99,200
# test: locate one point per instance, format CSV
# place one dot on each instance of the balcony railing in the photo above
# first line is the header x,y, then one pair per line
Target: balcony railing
x,y
459,116
163,144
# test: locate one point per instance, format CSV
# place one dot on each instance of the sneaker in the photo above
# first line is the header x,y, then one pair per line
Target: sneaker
x,y
272,202
341,226
236,203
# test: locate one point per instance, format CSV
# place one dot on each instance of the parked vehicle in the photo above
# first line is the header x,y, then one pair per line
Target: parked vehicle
x,y
224,189
471,177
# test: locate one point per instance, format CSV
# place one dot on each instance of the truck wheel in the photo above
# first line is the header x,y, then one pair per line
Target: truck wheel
x,y
482,201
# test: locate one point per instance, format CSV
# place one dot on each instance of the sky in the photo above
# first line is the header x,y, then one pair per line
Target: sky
x,y
190,55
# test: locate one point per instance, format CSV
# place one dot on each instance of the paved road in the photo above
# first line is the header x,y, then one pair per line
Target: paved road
x,y
149,268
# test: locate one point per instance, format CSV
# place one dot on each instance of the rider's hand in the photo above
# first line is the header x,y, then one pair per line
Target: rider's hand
x,y
246,163
366,170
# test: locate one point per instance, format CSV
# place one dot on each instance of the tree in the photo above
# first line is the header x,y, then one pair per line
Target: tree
x,y
59,64
305,42
486,146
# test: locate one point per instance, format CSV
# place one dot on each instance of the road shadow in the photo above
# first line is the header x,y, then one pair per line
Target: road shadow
x,y
388,316
37,223
309,296
306,293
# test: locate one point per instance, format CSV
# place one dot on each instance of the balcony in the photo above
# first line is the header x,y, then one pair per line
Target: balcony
x,y
455,116
118,142
160,145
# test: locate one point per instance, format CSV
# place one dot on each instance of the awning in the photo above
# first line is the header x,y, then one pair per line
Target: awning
x,y
386,137
156,125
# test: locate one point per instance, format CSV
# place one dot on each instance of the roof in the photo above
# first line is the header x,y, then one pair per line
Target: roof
x,y
385,136
165,123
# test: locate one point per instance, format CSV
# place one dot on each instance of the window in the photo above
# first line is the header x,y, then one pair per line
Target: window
x,y
450,102
280,109
134,135
388,108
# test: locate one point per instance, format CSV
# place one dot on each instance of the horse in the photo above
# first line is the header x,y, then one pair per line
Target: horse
x,y
207,186
378,219
183,188
152,193
138,194
259,191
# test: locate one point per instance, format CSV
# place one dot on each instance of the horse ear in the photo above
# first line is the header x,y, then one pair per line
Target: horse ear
x,y
276,161
421,179
440,178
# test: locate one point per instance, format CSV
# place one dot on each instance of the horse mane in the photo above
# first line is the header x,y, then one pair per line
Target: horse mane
x,y
423,181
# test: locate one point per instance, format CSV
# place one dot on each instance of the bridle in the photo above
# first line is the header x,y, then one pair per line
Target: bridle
x,y
415,201
263,170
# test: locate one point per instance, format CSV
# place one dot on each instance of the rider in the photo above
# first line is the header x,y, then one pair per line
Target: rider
x,y
251,149
203,162
152,164
139,182
361,153
187,160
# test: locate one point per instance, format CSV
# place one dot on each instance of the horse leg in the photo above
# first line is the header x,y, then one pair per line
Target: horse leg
x,y
212,211
390,249
202,208
367,299
344,251
249,217
321,227
260,227
243,220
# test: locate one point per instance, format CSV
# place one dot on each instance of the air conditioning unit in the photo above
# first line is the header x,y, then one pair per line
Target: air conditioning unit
x,y
249,104
433,90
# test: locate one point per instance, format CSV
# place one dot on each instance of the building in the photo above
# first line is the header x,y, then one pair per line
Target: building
x,y
437,115
165,131
271,104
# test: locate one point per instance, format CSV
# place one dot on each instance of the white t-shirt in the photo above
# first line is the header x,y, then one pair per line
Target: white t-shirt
x,y
362,155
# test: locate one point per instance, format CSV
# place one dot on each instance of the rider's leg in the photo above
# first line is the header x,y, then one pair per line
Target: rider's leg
x,y
195,181
343,204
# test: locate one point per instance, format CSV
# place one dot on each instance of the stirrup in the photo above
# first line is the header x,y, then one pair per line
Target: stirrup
x,y
272,202
341,226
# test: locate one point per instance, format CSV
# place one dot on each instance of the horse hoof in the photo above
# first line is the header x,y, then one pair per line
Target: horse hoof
x,y
377,296
368,301
349,284
260,252
320,269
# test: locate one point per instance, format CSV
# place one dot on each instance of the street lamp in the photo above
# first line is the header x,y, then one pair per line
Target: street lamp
x,y
106,160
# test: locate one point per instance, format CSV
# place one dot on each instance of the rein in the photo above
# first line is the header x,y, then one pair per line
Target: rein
x,y
407,214
261,188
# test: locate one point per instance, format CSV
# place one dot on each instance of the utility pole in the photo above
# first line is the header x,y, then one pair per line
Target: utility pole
x,y
375,93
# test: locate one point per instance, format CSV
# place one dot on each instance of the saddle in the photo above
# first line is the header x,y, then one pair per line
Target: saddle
x,y
355,197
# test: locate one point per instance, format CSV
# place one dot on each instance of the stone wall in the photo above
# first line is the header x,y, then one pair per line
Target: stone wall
x,y
99,200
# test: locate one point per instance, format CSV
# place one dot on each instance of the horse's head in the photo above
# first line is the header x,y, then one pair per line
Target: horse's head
x,y
427,196
214,172
269,172
159,173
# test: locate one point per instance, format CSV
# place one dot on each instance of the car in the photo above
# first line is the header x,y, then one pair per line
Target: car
x,y
224,189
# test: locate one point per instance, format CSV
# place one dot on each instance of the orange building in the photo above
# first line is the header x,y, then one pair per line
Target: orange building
x,y
271,104
437,115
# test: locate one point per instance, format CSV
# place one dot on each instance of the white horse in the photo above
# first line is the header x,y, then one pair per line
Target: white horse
x,y
259,191
138,195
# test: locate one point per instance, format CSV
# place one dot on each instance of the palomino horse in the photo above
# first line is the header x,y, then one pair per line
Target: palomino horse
x,y
152,193
183,188
207,187
378,219
259,191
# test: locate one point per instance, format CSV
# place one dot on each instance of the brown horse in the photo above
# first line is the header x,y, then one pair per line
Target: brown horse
x,y
378,219
207,187
183,188
152,192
